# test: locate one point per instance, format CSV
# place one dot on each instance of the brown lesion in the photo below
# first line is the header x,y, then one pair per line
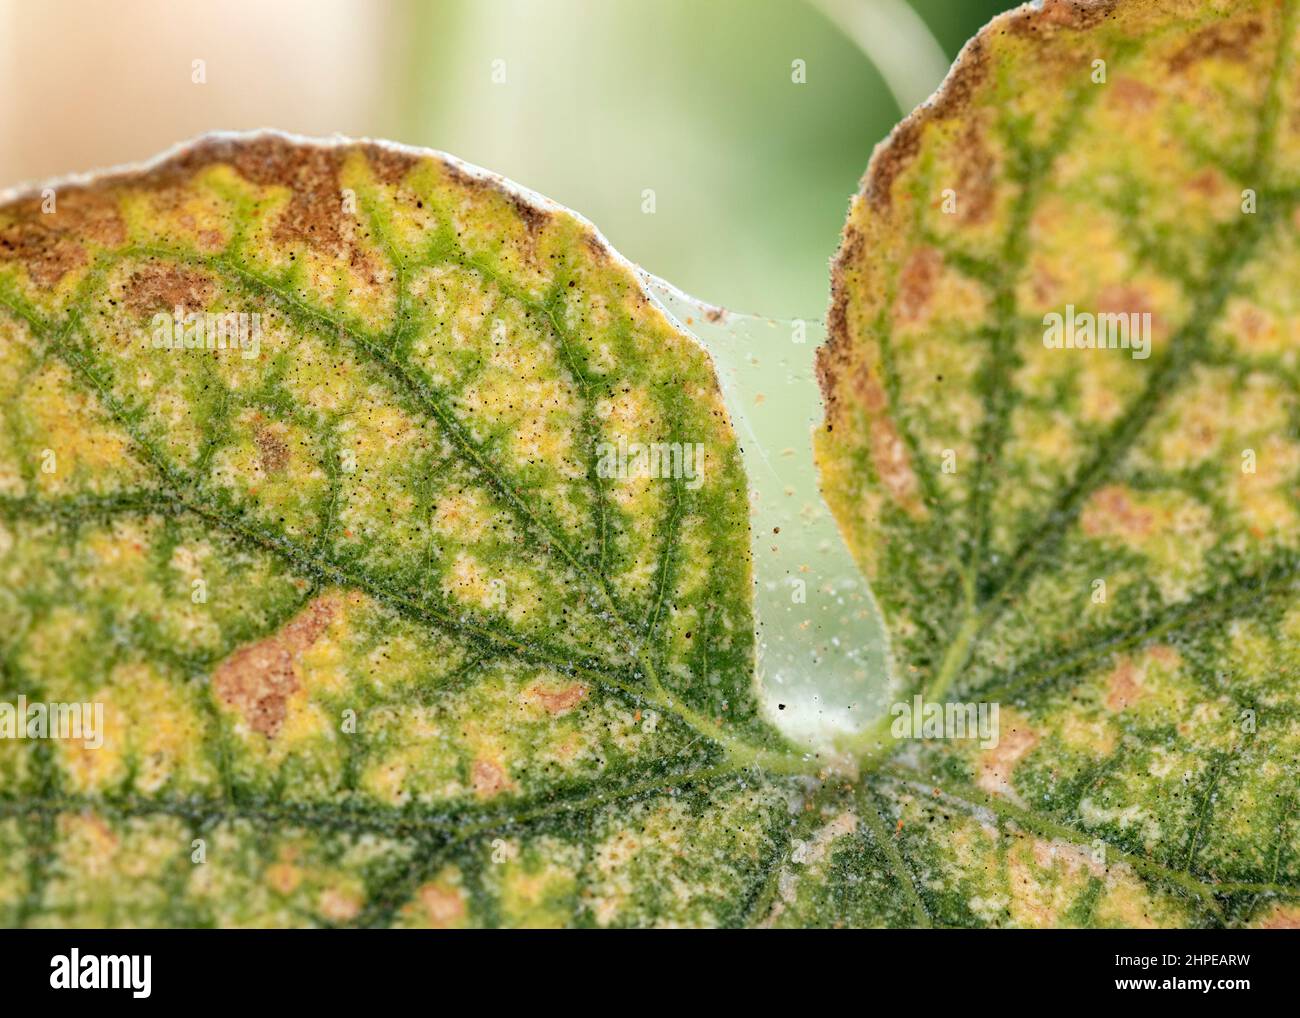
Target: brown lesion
x,y
257,680
47,254
889,456
1061,14
444,905
51,245
556,701
1130,95
831,356
976,180
595,247
314,215
838,363
1234,41
1112,512
917,283
163,287
389,165
534,218
489,778
1123,686
272,449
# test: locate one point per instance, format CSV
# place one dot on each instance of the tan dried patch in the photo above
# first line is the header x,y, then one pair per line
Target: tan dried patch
x,y
1125,299
167,287
314,214
1047,875
338,906
1229,41
258,680
888,453
1131,95
47,254
272,450
1111,513
389,165
52,245
997,764
1282,917
444,906
556,701
976,183
916,283
1123,685
489,778
1071,856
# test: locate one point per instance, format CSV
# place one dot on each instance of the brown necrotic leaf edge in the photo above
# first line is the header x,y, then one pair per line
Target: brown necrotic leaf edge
x,y
891,156
309,167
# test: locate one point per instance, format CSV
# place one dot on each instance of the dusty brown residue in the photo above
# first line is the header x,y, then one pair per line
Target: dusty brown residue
x,y
966,76
51,245
47,254
1228,41
388,165
458,176
534,218
314,214
595,248
916,283
1067,14
1127,299
272,450
166,287
1110,513
830,356
889,160
257,680
556,701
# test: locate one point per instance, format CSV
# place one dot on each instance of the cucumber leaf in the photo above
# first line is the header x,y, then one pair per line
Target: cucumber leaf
x,y
323,475
1095,530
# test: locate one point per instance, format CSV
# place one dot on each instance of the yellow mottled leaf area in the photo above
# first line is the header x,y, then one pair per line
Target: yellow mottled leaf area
x,y
301,495
1063,440
378,641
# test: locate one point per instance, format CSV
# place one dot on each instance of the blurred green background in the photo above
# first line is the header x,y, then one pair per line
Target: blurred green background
x,y
601,100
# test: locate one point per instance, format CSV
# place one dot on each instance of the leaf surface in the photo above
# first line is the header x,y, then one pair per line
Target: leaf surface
x,y
1103,544
379,642
375,635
